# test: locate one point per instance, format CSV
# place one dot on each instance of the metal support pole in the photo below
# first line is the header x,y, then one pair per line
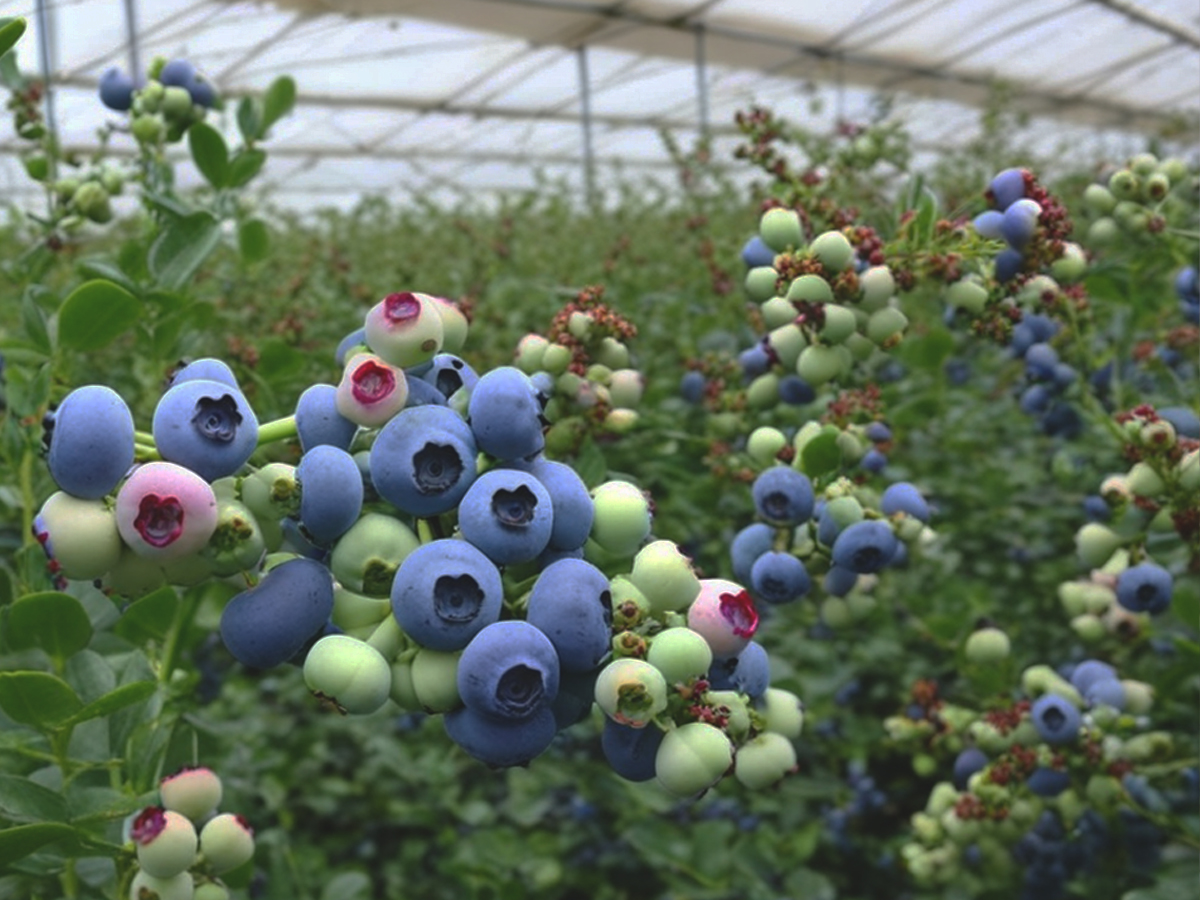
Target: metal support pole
x,y
47,64
585,101
702,81
131,35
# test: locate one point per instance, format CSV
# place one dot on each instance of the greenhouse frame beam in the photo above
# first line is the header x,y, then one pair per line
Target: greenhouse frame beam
x,y
131,37
1150,20
585,103
72,75
1131,117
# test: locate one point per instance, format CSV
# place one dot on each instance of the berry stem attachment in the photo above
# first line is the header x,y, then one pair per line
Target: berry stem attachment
x,y
276,430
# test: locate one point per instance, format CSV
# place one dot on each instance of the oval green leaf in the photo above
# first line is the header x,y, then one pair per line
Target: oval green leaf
x,y
277,102
17,843
10,32
53,621
820,456
125,695
96,314
210,153
37,699
181,249
254,240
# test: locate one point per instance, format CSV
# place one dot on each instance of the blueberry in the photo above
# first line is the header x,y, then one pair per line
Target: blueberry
x,y
755,253
271,622
987,223
691,387
873,461
1040,360
795,391
318,421
569,499
865,547
749,672
839,582
748,545
878,433
966,764
227,841
572,605
508,671
423,460
783,496
206,369
1020,221
1062,420
755,361
506,415
92,443
1106,692
202,92
446,592
177,73
1048,782
448,373
1036,400
371,390
331,492
1008,187
1056,719
1183,419
165,511
1008,263
1090,672
779,577
116,90
355,341
206,426
405,329
508,515
501,743
1145,587
903,497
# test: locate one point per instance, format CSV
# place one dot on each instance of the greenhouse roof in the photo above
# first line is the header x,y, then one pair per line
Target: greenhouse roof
x,y
453,98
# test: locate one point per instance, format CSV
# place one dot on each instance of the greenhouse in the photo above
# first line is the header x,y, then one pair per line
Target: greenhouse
x,y
571,449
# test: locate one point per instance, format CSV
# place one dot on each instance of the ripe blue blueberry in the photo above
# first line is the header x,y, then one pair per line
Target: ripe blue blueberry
x,y
1008,263
1020,221
318,421
1008,187
271,622
1106,692
177,73
116,90
779,577
446,592
500,743
691,386
1045,782
839,582
748,545
570,501
1145,587
508,515
1185,422
509,670
448,373
903,497
506,415
91,445
783,496
966,764
873,461
878,433
205,426
755,361
1056,719
206,369
331,492
795,391
354,342
1040,360
987,223
755,253
571,604
1036,400
749,672
423,460
1089,672
865,547
630,751
202,92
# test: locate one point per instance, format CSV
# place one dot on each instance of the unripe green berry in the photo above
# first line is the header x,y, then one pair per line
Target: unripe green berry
x,y
968,293
692,758
176,103
763,392
834,251
556,358
1123,184
886,326
622,517
435,680
810,289
877,286
1103,231
764,444
764,760
350,673
987,647
776,312
530,351
146,887
783,711
366,557
227,841
780,229
1144,481
1143,163
1089,628
665,577
211,890
631,691
819,364
760,283
839,324
1071,266
680,654
194,793
1099,198
787,341
82,535
165,841
1095,543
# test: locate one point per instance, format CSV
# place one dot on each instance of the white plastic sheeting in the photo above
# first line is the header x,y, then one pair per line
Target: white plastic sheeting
x,y
461,98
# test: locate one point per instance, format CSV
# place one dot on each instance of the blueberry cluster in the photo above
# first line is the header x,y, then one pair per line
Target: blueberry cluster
x,y
173,96
583,367
184,845
847,533
1067,748
1132,202
1187,289
866,799
1046,377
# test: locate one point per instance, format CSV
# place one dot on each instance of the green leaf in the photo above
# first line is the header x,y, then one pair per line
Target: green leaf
x,y
930,351
347,886
96,314
182,248
167,204
254,240
277,102
210,153
10,32
53,621
28,387
125,695
17,843
22,799
590,464
278,359
37,699
33,323
95,267
149,618
821,455
244,166
247,119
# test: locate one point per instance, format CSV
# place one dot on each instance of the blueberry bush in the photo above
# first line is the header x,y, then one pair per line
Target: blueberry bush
x,y
836,541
